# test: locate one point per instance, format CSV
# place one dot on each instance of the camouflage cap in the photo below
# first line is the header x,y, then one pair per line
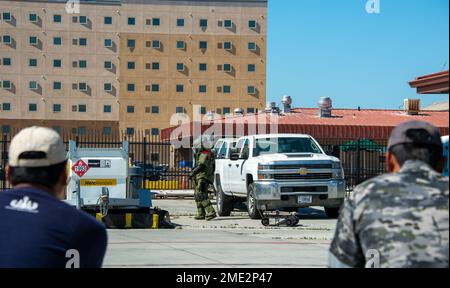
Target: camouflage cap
x,y
415,132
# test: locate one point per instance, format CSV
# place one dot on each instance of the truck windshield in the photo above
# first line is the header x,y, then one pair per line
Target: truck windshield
x,y
266,146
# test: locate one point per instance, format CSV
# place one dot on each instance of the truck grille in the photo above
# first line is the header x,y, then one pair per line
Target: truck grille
x,y
299,166
311,176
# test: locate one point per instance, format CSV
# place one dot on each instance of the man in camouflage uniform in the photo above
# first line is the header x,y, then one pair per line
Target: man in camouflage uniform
x,y
399,219
203,174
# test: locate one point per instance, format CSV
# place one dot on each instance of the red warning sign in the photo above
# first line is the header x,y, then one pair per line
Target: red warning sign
x,y
80,168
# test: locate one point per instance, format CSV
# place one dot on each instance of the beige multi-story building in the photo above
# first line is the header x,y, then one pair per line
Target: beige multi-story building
x,y
129,64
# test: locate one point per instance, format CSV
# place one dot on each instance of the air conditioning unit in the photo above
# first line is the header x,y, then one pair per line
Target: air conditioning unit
x,y
411,106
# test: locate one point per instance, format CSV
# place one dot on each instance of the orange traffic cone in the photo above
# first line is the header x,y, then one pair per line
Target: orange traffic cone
x,y
183,184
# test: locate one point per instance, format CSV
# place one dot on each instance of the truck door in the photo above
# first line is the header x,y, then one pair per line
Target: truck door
x,y
222,160
237,179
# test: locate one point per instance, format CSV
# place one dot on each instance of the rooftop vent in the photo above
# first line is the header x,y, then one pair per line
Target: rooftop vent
x,y
272,108
325,107
239,112
411,106
210,115
287,101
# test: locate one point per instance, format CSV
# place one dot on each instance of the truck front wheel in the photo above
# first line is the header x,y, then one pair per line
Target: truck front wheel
x,y
225,204
252,206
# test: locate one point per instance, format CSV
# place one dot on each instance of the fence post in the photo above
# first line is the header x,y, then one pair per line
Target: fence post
x,y
4,157
358,162
144,151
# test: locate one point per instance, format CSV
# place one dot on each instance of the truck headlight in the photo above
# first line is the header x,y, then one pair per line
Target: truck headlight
x,y
338,171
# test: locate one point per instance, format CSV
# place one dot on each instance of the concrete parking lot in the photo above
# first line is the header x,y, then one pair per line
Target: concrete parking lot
x,y
235,241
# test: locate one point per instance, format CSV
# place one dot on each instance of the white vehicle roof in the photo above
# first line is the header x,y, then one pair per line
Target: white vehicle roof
x,y
281,136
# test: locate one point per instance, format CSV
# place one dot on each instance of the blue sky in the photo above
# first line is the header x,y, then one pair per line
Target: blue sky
x,y
336,49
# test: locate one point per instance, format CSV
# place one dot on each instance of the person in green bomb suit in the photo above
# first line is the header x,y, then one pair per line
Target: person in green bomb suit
x,y
203,174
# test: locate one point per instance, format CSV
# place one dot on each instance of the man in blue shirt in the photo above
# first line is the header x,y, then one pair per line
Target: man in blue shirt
x,y
37,229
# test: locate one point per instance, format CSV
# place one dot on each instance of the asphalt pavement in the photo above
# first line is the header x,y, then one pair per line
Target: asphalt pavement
x,y
234,241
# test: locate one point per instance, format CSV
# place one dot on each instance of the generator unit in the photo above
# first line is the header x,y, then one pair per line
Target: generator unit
x,y
102,183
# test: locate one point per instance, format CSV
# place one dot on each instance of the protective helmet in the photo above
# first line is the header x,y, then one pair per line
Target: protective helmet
x,y
204,142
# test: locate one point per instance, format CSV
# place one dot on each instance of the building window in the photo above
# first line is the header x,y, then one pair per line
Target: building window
x,y
57,63
32,107
33,17
226,89
108,65
155,87
131,87
7,39
202,67
252,24
251,90
6,61
226,110
131,43
32,62
130,109
203,110
6,129
57,85
227,45
155,109
107,87
180,88
179,110
155,132
6,107
131,65
107,20
180,67
57,41
56,108
202,88
155,65
131,21
130,131
33,40
33,85
156,21
57,18
82,86
82,42
203,45
227,67
74,108
180,22
7,16
6,84
181,45
108,43
251,68
107,130
107,109
82,108
83,20
203,23
156,44
252,46
81,130
228,24
250,110
82,63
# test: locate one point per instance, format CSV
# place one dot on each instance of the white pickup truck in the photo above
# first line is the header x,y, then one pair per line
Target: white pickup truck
x,y
277,171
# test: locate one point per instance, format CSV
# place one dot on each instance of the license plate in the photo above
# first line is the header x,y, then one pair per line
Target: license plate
x,y
305,199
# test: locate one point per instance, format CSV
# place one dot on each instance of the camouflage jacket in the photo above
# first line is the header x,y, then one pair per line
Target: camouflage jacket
x,y
206,160
403,218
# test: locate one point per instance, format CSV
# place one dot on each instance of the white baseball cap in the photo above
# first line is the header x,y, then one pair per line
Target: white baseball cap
x,y
36,147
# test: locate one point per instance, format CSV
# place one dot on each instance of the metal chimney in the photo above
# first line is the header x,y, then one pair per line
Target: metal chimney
x,y
272,108
411,106
287,101
239,112
325,107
